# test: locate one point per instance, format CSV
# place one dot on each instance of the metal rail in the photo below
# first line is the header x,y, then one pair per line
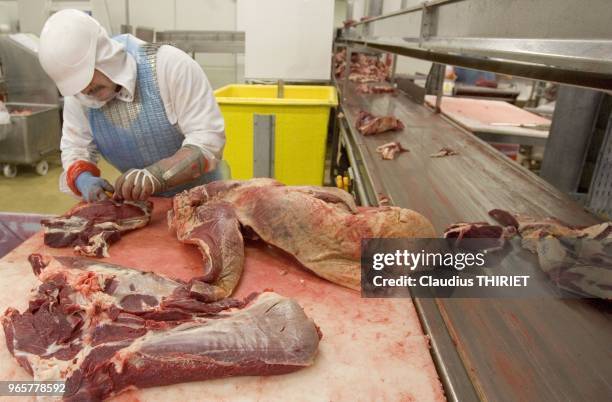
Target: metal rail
x,y
356,161
575,47
403,11
596,78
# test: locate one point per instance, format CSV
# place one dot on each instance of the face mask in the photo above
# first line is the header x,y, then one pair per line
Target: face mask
x,y
90,101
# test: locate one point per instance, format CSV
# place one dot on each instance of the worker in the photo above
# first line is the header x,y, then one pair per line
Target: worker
x,y
146,108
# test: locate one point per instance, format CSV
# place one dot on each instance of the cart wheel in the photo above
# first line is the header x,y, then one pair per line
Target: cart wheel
x,y
9,171
42,167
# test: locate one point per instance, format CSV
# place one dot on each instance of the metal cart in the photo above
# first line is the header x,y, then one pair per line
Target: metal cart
x,y
33,134
33,103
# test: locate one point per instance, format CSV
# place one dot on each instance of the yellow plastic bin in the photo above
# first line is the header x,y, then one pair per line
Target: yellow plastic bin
x,y
301,119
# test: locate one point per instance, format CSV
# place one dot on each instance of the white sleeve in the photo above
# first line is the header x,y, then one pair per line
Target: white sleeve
x,y
189,101
77,141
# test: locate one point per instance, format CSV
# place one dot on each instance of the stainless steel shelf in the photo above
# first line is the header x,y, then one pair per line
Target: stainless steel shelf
x,y
562,41
566,68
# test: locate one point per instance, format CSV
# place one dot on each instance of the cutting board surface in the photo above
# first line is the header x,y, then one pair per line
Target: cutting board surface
x,y
485,111
372,349
491,116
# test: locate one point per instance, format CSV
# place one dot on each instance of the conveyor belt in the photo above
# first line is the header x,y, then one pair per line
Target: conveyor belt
x,y
510,349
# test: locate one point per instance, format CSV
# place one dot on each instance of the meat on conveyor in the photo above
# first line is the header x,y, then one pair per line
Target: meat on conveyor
x,y
369,124
390,150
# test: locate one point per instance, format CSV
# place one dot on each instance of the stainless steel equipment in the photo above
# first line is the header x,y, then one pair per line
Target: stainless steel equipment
x,y
470,337
33,102
486,349
32,137
573,47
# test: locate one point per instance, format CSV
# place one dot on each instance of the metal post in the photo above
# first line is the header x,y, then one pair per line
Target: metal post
x,y
236,68
365,29
264,127
375,8
393,69
435,83
600,192
428,22
347,67
280,89
440,94
570,135
349,11
356,175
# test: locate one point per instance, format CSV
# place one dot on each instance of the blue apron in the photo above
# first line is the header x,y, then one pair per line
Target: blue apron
x,y
137,134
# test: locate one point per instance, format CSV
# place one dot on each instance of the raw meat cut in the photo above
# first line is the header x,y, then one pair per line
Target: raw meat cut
x,y
103,328
530,229
390,149
504,217
576,259
215,230
474,230
582,266
91,227
491,237
364,67
321,227
444,152
368,124
533,229
375,89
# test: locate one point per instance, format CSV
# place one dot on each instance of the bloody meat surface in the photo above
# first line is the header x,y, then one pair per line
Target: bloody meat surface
x,y
104,328
91,227
369,124
321,227
390,150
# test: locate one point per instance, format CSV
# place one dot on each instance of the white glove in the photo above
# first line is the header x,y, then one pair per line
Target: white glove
x,y
137,185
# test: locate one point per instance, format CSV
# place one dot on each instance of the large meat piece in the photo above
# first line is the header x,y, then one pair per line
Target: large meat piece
x,y
576,259
103,328
530,229
214,228
533,229
321,227
91,227
582,266
368,124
